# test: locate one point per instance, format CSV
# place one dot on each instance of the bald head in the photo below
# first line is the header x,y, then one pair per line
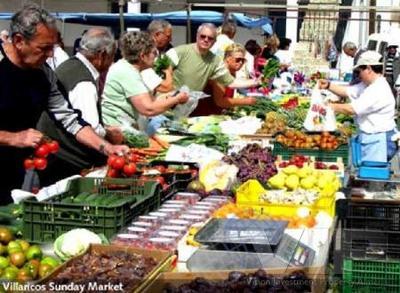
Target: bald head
x,y
97,40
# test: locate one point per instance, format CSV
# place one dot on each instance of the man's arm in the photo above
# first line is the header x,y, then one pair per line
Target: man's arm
x,y
218,94
342,108
22,139
338,90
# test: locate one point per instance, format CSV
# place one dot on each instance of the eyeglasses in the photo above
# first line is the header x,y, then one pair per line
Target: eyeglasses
x,y
205,37
241,60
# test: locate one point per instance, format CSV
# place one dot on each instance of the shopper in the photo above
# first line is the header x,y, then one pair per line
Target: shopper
x,y
223,97
350,49
29,88
125,93
78,77
195,64
391,54
59,55
372,104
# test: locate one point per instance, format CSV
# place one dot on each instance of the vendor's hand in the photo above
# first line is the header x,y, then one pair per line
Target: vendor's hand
x,y
27,138
114,135
251,100
323,84
182,97
118,150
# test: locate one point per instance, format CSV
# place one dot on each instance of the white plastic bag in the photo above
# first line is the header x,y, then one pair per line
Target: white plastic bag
x,y
320,117
184,110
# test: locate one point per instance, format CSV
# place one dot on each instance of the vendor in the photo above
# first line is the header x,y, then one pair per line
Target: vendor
x,y
372,104
126,95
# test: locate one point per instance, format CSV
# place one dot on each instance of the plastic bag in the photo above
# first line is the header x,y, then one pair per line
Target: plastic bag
x,y
320,117
184,110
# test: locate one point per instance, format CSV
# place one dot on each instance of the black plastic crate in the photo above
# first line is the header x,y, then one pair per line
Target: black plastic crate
x,y
371,230
45,221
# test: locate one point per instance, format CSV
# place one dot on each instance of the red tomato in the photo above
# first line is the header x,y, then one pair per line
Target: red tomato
x,y
42,151
29,164
112,173
129,169
118,163
160,180
160,169
133,158
111,159
40,163
53,146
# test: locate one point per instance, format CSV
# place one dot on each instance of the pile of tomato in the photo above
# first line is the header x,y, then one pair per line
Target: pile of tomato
x,y
39,159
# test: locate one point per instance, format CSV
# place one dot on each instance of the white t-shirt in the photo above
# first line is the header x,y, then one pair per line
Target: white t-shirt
x,y
150,78
59,56
222,42
284,56
374,106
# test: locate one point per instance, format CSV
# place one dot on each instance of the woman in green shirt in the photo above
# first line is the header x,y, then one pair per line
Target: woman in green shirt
x,y
125,94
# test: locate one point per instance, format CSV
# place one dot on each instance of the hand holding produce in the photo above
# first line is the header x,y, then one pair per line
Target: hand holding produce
x,y
39,161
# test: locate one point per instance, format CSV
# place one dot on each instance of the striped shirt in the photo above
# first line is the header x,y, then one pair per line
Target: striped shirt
x,y
389,64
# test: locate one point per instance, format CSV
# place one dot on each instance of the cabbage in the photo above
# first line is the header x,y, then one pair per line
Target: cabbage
x,y
75,242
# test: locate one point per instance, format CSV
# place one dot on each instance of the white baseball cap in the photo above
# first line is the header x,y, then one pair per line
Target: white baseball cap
x,y
369,58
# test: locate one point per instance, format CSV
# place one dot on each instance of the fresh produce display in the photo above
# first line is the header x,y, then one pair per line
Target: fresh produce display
x,y
11,218
270,70
136,140
254,162
260,281
219,142
39,159
162,63
297,139
206,124
300,161
324,183
259,109
232,210
295,116
96,199
20,261
274,123
75,242
298,197
119,166
102,268
291,103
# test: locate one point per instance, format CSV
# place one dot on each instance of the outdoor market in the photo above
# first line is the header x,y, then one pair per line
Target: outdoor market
x,y
199,146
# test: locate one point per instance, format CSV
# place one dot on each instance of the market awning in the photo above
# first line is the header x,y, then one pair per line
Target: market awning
x,y
142,20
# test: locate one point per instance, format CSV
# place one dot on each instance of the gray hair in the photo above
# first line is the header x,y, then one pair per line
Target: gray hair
x,y
350,46
26,20
209,26
158,26
97,40
133,44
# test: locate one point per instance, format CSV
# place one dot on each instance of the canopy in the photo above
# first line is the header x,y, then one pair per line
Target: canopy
x,y
142,20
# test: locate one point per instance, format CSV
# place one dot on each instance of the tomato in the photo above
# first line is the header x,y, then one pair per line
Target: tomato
x,y
118,163
160,180
129,169
53,146
40,163
111,159
133,158
42,151
112,173
29,164
160,169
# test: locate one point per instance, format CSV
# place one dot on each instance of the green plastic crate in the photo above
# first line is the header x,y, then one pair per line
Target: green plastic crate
x,y
321,155
370,276
45,221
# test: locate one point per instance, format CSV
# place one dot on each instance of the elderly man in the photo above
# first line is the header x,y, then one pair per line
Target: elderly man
x,y
28,88
161,32
78,78
195,64
350,49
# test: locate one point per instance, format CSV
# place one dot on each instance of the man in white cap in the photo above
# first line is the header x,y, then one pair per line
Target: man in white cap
x,y
373,106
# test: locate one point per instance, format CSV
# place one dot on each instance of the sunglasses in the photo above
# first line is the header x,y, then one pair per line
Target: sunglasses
x,y
240,60
205,37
